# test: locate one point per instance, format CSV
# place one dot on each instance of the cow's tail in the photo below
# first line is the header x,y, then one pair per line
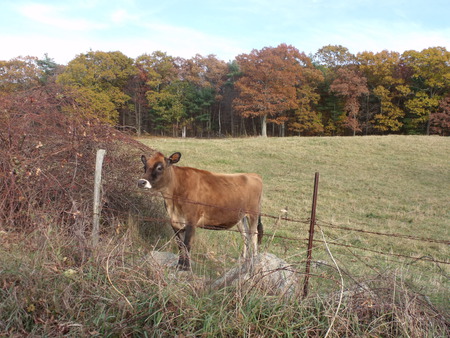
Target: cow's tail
x,y
260,230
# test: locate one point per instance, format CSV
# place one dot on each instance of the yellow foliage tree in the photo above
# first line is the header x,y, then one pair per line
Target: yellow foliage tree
x,y
102,78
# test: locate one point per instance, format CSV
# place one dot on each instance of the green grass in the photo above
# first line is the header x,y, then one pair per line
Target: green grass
x,y
395,182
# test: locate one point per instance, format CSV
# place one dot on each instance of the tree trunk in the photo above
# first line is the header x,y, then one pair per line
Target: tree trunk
x,y
264,126
220,124
428,124
243,130
138,119
232,123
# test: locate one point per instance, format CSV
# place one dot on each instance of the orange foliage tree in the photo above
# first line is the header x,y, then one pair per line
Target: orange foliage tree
x,y
268,86
350,85
440,120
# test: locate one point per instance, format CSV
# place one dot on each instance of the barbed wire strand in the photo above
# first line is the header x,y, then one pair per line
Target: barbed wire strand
x,y
273,235
422,239
307,221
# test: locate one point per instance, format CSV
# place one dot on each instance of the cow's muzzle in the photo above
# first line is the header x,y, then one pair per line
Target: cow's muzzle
x,y
144,184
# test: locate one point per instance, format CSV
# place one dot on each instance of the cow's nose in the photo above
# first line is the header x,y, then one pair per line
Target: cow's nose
x,y
144,184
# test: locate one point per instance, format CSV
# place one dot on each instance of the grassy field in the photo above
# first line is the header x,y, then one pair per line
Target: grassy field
x,y
389,184
392,184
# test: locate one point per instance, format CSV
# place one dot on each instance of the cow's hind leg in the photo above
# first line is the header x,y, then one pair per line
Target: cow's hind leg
x,y
253,233
248,227
244,230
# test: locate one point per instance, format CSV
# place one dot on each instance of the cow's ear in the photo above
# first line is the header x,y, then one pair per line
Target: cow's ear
x,y
174,158
144,159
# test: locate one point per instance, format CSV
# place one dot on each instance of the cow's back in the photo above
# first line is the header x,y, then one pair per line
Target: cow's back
x,y
214,200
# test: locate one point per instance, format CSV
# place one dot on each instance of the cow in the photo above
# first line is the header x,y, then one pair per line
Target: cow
x,y
199,198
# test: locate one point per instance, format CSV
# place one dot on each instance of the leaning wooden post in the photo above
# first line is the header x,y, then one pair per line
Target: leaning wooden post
x,y
97,186
311,235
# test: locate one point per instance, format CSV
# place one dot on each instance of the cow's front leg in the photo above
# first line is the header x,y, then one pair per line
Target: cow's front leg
x,y
184,239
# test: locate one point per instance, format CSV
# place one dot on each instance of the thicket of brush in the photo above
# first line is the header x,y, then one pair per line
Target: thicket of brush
x,y
52,282
48,162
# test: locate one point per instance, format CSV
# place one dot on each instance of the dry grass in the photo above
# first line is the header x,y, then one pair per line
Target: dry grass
x,y
119,292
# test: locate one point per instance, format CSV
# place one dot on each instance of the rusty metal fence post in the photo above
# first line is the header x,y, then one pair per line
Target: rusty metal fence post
x,y
311,235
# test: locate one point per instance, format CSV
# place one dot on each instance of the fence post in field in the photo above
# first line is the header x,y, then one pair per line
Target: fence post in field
x,y
97,186
311,235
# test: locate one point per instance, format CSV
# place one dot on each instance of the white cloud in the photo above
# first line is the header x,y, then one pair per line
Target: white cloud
x,y
181,41
176,41
55,16
121,16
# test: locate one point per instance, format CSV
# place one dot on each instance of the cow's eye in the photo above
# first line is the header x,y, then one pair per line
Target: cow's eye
x,y
159,167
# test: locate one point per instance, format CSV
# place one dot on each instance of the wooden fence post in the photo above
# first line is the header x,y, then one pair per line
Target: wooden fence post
x,y
311,235
97,194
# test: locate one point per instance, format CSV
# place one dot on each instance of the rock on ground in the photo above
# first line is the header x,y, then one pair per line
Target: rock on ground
x,y
266,272
164,259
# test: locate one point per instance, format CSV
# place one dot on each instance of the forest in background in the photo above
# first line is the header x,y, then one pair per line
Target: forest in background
x,y
275,91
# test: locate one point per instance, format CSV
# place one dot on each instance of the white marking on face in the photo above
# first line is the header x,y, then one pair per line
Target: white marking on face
x,y
144,184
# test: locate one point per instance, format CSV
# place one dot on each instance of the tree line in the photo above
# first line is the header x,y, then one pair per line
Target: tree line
x,y
275,91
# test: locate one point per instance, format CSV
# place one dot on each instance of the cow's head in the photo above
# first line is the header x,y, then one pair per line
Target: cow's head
x,y
156,170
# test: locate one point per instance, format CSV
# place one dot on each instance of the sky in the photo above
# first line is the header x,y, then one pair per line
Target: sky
x,y
62,29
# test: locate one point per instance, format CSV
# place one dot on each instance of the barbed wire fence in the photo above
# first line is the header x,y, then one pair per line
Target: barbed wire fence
x,y
312,244
324,224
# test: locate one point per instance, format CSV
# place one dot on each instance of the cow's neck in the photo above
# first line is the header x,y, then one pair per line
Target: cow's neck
x,y
168,191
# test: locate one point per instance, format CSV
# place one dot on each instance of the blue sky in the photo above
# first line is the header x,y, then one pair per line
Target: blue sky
x,y
65,28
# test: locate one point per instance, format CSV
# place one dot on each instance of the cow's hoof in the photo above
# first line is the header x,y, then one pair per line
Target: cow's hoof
x,y
183,265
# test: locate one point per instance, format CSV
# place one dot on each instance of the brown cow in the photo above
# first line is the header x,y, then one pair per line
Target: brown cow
x,y
199,198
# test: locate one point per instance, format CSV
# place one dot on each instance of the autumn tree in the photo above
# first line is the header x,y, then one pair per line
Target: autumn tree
x,y
430,82
206,76
155,73
387,87
268,86
101,75
328,60
19,74
334,57
306,119
350,85
440,120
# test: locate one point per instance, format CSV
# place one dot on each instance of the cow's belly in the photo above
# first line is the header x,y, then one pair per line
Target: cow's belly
x,y
216,226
